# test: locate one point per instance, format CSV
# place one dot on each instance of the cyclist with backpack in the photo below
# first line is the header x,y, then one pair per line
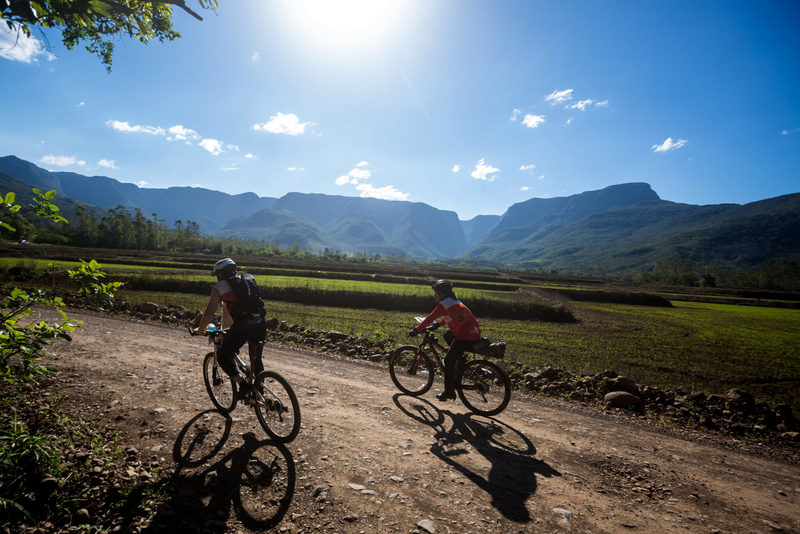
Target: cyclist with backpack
x,y
242,313
464,331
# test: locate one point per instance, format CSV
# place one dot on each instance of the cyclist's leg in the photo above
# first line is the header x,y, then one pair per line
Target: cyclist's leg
x,y
255,343
231,344
454,354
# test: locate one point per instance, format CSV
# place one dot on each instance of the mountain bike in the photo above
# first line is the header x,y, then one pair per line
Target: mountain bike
x,y
272,398
482,385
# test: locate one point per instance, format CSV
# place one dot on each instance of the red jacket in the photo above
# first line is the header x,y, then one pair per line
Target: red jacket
x,y
457,317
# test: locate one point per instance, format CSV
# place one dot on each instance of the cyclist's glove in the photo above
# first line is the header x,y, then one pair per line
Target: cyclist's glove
x,y
413,332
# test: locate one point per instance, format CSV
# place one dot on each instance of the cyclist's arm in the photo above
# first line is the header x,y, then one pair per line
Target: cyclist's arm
x,y
437,312
213,304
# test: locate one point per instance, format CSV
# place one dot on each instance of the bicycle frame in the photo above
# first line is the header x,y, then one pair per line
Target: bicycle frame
x,y
216,336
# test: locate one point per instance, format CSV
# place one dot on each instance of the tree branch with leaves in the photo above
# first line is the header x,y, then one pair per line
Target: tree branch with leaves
x,y
99,22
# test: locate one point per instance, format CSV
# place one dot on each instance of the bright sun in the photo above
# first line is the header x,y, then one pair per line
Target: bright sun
x,y
351,22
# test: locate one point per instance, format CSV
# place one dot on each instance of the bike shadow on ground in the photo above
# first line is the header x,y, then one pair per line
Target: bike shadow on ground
x,y
513,466
213,478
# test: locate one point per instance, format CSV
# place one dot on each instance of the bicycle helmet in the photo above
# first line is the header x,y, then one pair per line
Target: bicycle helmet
x,y
444,288
224,268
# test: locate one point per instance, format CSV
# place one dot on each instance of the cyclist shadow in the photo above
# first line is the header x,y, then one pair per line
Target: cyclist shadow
x,y
256,479
511,479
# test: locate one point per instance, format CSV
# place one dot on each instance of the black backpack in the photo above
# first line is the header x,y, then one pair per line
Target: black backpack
x,y
248,300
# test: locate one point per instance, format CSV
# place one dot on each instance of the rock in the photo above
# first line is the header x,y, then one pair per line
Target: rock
x,y
355,487
715,399
622,399
773,526
336,336
790,436
548,374
148,308
740,400
81,516
427,526
622,383
273,323
321,490
565,514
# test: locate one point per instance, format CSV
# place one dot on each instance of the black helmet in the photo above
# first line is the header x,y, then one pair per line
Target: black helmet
x,y
224,268
444,288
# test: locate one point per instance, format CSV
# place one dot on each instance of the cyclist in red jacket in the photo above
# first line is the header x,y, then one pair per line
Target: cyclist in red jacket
x,y
464,331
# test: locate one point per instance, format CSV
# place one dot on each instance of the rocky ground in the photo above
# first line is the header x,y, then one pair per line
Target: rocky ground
x,y
369,459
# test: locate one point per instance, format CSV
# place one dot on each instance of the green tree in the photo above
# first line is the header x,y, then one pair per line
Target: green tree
x,y
99,22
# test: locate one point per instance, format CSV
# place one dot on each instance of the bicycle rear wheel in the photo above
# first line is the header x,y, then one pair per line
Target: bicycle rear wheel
x,y
219,385
412,370
277,408
484,387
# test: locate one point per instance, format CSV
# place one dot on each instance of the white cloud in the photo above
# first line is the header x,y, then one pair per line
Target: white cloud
x,y
524,188
362,164
281,123
360,174
231,168
582,105
558,97
456,168
484,172
541,177
212,145
515,114
235,148
249,156
569,120
124,126
142,183
602,104
255,57
16,46
295,169
354,176
81,104
669,144
388,192
529,167
180,133
107,163
344,179
533,121
61,161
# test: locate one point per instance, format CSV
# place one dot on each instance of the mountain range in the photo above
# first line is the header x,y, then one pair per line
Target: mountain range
x,y
621,227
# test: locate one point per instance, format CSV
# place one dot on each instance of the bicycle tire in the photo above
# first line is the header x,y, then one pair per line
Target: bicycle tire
x,y
279,414
220,387
483,387
412,370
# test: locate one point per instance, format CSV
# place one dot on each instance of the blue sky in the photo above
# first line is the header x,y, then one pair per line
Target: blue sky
x,y
466,105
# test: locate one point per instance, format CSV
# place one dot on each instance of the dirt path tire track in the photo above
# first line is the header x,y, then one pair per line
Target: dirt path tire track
x,y
369,459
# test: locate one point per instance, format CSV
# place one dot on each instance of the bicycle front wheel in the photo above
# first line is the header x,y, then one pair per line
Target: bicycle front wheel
x,y
276,407
219,385
484,387
411,370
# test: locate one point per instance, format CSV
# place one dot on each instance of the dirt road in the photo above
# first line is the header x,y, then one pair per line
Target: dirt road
x,y
369,459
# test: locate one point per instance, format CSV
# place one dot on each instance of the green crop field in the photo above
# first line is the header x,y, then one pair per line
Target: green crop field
x,y
709,347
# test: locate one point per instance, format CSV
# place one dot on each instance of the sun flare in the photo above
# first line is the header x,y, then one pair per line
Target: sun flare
x,y
350,22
